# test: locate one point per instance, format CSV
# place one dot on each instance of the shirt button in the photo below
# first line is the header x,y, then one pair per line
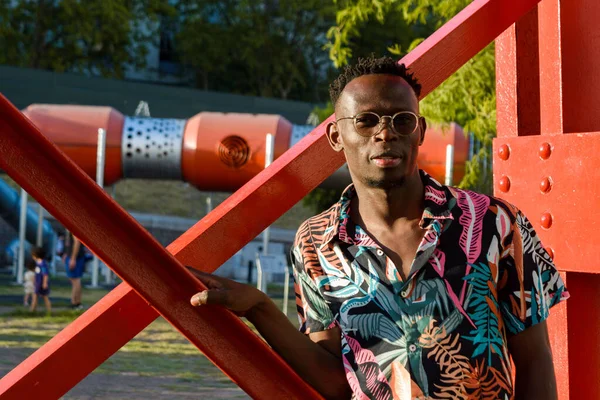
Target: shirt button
x,y
404,293
379,252
412,348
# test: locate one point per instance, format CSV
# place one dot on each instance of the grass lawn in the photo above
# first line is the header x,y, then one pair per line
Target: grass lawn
x,y
157,363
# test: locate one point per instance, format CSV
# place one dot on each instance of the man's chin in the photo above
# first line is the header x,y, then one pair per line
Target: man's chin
x,y
386,183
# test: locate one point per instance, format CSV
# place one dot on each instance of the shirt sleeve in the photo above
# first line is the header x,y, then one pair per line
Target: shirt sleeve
x,y
314,314
529,284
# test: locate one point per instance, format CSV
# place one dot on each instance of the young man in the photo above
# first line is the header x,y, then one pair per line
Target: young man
x,y
408,289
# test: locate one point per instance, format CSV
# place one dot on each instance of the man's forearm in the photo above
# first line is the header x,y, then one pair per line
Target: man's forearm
x,y
317,366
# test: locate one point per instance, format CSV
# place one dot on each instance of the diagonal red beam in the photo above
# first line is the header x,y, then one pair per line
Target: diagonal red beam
x,y
292,176
86,210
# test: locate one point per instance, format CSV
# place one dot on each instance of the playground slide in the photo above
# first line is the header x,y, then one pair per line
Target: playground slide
x,y
212,151
10,208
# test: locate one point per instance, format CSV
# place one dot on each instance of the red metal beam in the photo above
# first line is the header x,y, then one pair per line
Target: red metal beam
x,y
87,211
551,91
558,330
518,78
291,177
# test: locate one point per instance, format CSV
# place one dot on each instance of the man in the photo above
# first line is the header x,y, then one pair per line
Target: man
x,y
408,289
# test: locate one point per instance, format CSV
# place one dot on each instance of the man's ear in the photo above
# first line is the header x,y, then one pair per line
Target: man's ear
x,y
423,128
333,136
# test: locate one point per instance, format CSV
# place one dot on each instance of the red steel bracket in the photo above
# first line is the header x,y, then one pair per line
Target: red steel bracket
x,y
554,180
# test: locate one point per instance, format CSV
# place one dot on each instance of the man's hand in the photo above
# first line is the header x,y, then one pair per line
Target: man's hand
x,y
318,361
72,263
237,297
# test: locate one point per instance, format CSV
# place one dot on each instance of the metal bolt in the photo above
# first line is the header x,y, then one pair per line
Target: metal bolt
x,y
546,184
545,151
504,152
546,220
504,184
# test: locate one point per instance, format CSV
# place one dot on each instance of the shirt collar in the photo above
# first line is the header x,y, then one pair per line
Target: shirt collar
x,y
438,203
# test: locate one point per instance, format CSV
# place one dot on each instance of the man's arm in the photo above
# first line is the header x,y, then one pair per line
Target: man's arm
x,y
532,355
317,358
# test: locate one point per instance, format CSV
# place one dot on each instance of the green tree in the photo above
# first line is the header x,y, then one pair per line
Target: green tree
x,y
468,97
264,48
98,37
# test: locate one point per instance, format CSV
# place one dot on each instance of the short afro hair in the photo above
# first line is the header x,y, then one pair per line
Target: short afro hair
x,y
371,66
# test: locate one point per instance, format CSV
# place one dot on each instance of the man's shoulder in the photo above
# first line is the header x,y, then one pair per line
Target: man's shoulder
x,y
471,196
315,227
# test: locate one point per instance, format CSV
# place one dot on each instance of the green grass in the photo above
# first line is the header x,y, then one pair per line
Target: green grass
x,y
179,199
60,288
158,352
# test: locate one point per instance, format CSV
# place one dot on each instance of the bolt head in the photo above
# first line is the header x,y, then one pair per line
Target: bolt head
x,y
545,151
504,184
546,185
546,220
504,152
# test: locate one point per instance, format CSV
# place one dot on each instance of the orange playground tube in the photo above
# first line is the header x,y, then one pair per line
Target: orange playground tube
x,y
212,151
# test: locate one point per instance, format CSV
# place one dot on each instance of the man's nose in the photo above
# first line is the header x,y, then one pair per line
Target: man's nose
x,y
386,132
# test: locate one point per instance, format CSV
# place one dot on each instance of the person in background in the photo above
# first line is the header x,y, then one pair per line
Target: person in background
x,y
74,256
29,283
60,245
42,279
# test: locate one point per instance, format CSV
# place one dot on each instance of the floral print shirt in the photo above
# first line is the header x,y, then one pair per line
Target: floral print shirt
x,y
479,276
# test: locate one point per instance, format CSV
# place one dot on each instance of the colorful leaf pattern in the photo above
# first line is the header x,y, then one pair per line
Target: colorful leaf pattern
x,y
479,276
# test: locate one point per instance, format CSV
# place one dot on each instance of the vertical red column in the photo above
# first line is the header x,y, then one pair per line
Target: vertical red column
x,y
548,86
580,61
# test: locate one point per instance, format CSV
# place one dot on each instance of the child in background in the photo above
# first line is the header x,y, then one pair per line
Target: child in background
x,y
29,282
42,279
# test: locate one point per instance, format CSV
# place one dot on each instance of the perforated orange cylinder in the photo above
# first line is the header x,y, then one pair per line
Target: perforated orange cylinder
x,y
212,151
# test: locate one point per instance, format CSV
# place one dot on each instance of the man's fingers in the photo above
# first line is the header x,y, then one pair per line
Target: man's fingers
x,y
218,297
211,281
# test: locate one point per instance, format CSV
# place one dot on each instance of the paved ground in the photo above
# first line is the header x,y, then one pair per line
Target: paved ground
x,y
133,386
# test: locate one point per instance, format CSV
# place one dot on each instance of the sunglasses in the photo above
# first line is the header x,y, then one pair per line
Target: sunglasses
x,y
370,124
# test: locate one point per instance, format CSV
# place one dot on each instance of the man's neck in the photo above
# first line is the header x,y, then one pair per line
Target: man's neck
x,y
389,206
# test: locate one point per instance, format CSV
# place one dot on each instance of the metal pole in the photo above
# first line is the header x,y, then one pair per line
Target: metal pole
x,y
269,153
15,263
100,158
40,227
259,273
209,203
286,289
471,146
449,164
22,225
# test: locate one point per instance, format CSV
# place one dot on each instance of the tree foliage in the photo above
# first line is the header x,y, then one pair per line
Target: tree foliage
x,y
99,37
264,48
467,97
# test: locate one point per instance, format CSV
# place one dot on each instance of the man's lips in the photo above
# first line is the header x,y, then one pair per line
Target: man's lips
x,y
386,160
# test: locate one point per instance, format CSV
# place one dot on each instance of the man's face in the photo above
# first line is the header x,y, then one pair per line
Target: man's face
x,y
386,159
